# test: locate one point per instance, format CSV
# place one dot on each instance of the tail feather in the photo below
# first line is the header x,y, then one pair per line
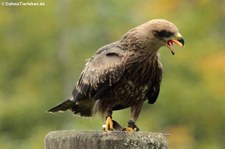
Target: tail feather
x,y
82,109
63,106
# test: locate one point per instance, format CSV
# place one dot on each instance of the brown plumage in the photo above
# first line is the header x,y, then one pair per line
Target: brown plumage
x,y
123,74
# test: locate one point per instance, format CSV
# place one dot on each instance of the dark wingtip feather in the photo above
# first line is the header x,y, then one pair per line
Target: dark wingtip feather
x,y
65,105
49,111
55,109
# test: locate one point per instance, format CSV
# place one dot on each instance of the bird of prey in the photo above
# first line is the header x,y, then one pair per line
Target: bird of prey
x,y
123,74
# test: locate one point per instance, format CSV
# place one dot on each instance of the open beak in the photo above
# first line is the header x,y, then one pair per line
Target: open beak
x,y
175,39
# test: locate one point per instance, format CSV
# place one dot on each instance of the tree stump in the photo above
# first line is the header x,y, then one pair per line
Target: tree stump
x,y
69,139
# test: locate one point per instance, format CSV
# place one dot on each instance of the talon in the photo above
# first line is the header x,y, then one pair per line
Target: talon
x,y
109,124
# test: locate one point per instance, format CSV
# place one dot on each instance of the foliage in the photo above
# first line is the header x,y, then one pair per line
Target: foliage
x,y
43,49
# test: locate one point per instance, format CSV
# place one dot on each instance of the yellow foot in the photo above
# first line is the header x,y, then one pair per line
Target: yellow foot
x,y
108,124
130,129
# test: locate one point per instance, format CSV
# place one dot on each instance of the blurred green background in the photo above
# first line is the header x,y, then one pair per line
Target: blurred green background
x,y
43,50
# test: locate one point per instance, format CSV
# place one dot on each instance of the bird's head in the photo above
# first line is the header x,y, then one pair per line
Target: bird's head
x,y
164,33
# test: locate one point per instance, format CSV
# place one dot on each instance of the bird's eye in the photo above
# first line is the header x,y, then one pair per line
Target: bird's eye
x,y
163,34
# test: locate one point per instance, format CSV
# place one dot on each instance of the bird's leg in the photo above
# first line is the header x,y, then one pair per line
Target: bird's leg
x,y
109,122
135,111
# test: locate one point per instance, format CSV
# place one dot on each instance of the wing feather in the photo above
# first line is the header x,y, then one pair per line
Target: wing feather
x,y
102,71
153,92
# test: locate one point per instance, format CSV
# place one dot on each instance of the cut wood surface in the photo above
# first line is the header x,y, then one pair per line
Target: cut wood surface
x,y
70,139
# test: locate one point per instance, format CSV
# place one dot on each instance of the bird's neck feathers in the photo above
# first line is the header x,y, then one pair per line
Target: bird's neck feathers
x,y
140,41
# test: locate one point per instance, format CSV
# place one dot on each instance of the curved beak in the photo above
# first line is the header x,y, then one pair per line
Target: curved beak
x,y
175,39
